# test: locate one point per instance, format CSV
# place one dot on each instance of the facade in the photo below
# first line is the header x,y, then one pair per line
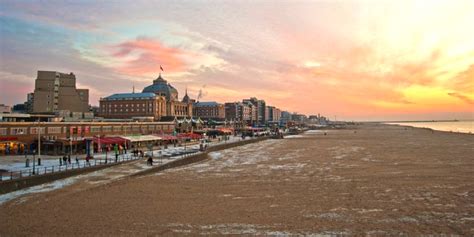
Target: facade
x,y
5,109
55,91
209,110
129,105
269,113
174,107
260,107
276,115
18,138
299,118
157,101
253,114
285,117
273,114
237,111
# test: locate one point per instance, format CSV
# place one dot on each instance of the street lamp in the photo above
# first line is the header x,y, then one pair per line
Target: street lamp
x,y
39,147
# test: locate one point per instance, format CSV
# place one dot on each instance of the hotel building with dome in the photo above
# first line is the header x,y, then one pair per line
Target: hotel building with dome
x,y
158,101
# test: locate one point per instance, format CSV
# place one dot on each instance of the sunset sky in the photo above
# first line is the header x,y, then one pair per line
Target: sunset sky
x,y
357,60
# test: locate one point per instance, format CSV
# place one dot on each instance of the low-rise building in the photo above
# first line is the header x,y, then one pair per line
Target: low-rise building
x,y
130,105
209,110
5,109
57,137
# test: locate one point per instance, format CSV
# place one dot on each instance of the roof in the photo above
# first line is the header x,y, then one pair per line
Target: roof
x,y
160,86
210,103
120,96
142,138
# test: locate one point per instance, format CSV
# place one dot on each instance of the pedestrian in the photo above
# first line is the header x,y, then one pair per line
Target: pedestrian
x,y
69,159
61,161
150,161
77,161
87,160
116,157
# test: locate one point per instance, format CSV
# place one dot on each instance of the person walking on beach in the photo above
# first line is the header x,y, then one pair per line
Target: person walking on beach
x,y
150,161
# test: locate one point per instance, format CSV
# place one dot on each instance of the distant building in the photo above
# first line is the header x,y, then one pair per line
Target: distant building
x,y
55,91
130,105
174,107
157,101
238,111
276,115
300,118
19,108
285,117
253,116
260,107
209,110
269,113
5,109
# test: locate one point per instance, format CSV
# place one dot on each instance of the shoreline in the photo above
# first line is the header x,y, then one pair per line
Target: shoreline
x,y
426,128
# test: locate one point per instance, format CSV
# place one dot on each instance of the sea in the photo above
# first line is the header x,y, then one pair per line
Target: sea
x,y
448,126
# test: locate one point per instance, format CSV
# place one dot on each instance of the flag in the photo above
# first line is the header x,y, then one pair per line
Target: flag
x,y
161,68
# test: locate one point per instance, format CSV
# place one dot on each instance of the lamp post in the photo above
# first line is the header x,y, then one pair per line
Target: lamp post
x,y
39,147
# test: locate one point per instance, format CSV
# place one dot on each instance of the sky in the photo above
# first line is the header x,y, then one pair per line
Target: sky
x,y
348,60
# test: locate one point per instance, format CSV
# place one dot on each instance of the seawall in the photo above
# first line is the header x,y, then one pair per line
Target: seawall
x,y
25,182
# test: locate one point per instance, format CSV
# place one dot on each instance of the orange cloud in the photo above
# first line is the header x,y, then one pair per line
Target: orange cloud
x,y
144,56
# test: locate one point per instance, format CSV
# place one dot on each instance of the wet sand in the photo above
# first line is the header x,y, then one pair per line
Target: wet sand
x,y
374,179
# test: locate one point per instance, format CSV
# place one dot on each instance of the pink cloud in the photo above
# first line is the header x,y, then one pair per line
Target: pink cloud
x,y
149,55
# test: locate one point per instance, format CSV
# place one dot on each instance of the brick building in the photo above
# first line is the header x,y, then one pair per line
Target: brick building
x,y
209,110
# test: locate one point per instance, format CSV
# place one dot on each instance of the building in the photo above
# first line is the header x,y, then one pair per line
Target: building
x,y
253,113
260,107
209,110
276,114
55,91
238,111
57,137
285,117
269,113
174,107
299,118
157,101
133,105
5,109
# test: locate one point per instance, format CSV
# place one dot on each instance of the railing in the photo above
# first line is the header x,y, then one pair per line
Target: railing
x,y
10,175
64,168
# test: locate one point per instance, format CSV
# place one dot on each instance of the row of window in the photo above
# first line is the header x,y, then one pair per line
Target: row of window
x,y
92,129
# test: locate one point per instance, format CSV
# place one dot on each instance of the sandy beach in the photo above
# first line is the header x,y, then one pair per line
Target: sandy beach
x,y
372,179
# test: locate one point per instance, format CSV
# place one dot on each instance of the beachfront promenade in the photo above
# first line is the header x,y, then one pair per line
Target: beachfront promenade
x,y
14,167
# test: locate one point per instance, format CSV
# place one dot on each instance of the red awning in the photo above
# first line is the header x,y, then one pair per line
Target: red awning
x,y
190,135
8,138
168,137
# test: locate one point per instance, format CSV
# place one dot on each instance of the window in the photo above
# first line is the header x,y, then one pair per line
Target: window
x,y
54,130
18,131
34,130
95,129
107,129
3,131
117,129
